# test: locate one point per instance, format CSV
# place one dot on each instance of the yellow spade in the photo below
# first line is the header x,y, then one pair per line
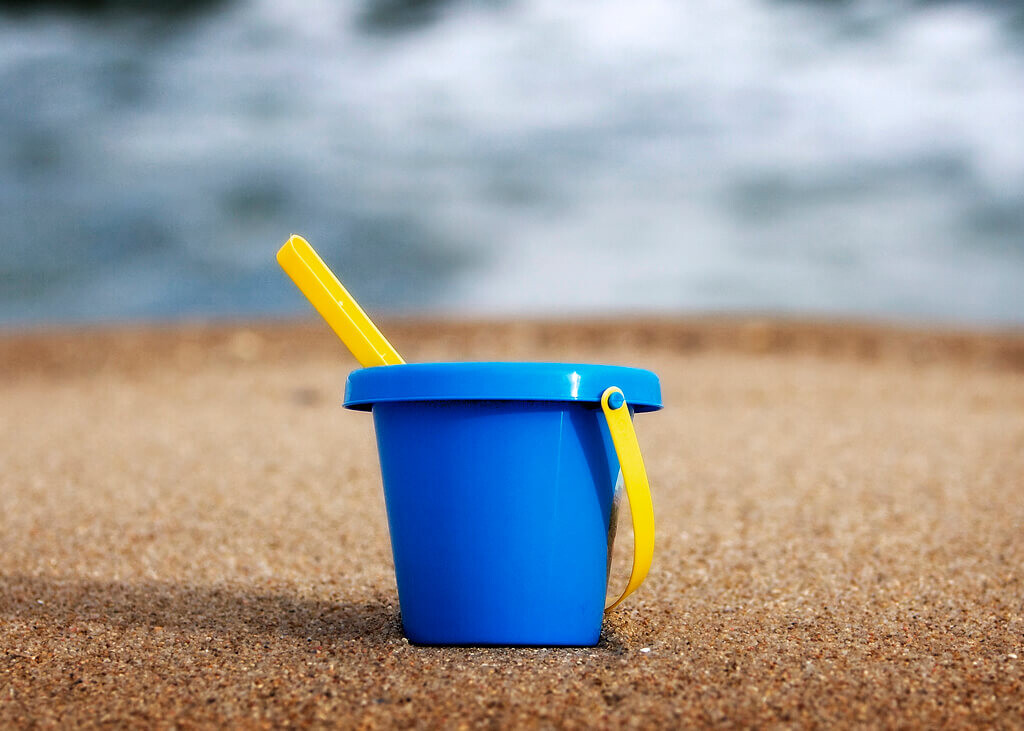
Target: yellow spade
x,y
335,304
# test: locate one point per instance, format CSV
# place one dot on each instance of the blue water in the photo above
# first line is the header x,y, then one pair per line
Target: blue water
x,y
860,159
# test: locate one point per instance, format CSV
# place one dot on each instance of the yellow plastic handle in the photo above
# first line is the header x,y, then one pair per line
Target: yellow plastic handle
x,y
335,304
638,489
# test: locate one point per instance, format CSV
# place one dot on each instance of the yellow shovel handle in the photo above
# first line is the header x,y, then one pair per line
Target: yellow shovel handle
x,y
335,304
638,489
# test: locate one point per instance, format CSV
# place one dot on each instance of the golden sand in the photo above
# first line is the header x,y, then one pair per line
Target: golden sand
x,y
192,532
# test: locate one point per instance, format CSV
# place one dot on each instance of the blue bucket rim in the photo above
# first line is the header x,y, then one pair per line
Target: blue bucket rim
x,y
500,381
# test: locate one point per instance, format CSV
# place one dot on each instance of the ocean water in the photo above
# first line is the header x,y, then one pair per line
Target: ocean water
x,y
859,159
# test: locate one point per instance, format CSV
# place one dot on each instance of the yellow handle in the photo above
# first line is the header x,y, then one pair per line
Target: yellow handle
x,y
335,304
638,489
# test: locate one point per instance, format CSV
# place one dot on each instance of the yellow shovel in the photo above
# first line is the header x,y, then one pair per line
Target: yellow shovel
x,y
335,304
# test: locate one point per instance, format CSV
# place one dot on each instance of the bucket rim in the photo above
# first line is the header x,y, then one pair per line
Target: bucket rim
x,y
500,381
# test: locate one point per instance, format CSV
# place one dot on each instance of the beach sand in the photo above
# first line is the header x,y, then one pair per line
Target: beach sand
x,y
192,532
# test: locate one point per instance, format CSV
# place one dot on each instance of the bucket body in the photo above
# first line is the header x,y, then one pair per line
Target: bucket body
x,y
499,512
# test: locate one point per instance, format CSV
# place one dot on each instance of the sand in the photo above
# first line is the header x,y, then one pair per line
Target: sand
x,y
192,533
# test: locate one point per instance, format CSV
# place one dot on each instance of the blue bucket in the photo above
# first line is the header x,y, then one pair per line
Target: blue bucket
x,y
499,481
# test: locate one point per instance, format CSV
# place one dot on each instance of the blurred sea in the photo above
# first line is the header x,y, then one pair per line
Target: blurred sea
x,y
854,158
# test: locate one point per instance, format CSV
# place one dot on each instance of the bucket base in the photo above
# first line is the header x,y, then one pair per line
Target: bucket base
x,y
457,639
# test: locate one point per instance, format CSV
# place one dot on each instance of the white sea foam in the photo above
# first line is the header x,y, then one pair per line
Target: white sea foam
x,y
865,159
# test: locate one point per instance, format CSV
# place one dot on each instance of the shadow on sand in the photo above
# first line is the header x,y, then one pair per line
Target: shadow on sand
x,y
222,610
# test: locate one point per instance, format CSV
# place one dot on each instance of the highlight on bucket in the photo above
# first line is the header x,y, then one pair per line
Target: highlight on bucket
x,y
499,480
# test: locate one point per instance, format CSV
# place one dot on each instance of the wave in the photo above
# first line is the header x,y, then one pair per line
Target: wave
x,y
859,158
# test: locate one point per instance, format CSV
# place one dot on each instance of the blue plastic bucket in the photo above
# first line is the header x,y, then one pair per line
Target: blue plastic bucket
x,y
499,481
